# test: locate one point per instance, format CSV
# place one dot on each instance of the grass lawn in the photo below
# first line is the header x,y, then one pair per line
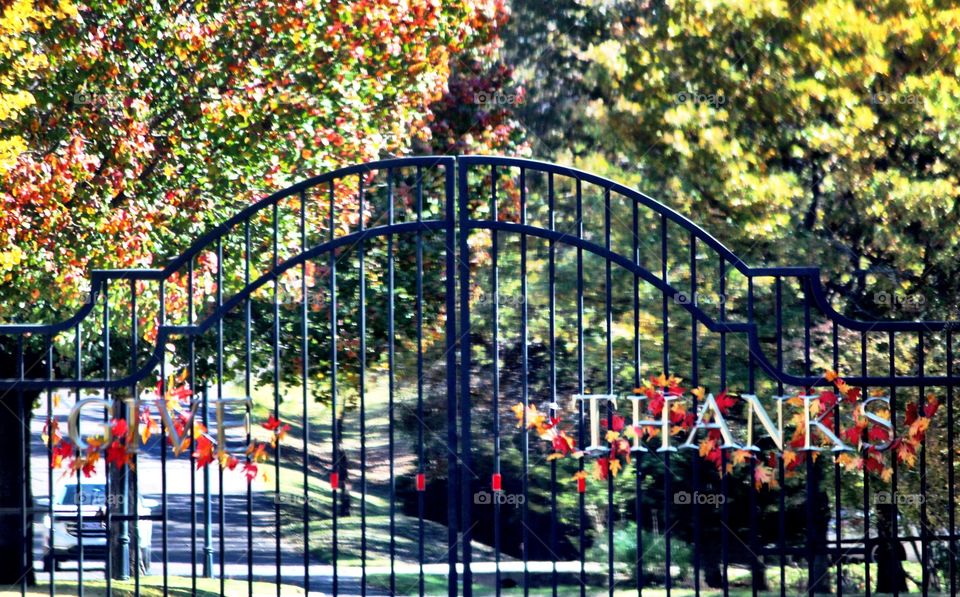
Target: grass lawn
x,y
152,586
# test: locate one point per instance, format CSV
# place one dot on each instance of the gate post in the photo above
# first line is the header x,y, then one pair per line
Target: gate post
x,y
453,466
466,499
119,482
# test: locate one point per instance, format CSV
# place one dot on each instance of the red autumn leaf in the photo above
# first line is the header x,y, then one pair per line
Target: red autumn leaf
x,y
677,417
203,452
874,460
250,470
89,467
617,423
714,456
852,435
906,453
878,434
602,467
827,399
930,408
118,428
271,424
60,451
853,394
725,402
655,405
911,414
116,454
563,443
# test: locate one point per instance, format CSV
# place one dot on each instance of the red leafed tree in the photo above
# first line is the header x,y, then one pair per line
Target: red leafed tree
x,y
147,123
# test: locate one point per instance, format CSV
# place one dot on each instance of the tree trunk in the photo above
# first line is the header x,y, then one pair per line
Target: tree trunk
x,y
343,470
890,554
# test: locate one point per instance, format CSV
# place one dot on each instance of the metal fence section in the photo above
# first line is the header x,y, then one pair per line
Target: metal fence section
x,y
396,311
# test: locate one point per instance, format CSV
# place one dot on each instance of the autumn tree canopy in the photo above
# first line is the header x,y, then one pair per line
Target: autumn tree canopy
x,y
131,127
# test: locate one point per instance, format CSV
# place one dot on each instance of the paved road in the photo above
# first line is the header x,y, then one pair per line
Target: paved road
x,y
180,540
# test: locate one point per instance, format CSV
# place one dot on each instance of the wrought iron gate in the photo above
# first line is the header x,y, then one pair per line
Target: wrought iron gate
x,y
421,299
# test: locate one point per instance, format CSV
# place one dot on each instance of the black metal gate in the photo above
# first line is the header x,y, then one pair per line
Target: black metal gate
x,y
397,312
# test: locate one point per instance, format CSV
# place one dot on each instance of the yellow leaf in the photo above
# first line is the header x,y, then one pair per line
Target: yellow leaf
x,y
919,426
887,474
612,436
615,466
741,456
789,457
705,447
554,456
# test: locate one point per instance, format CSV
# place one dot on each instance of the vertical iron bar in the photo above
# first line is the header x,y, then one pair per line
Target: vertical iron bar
x,y
134,341
78,347
813,485
525,390
50,446
191,364
724,477
667,475
757,569
421,469
24,479
304,371
207,500
276,400
553,379
221,516
608,307
247,372
390,382
464,339
695,382
924,522
495,322
581,386
895,480
361,249
637,374
836,468
866,475
951,479
107,415
335,457
164,538
782,534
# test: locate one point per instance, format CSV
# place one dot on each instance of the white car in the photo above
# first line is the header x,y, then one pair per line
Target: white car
x,y
93,528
